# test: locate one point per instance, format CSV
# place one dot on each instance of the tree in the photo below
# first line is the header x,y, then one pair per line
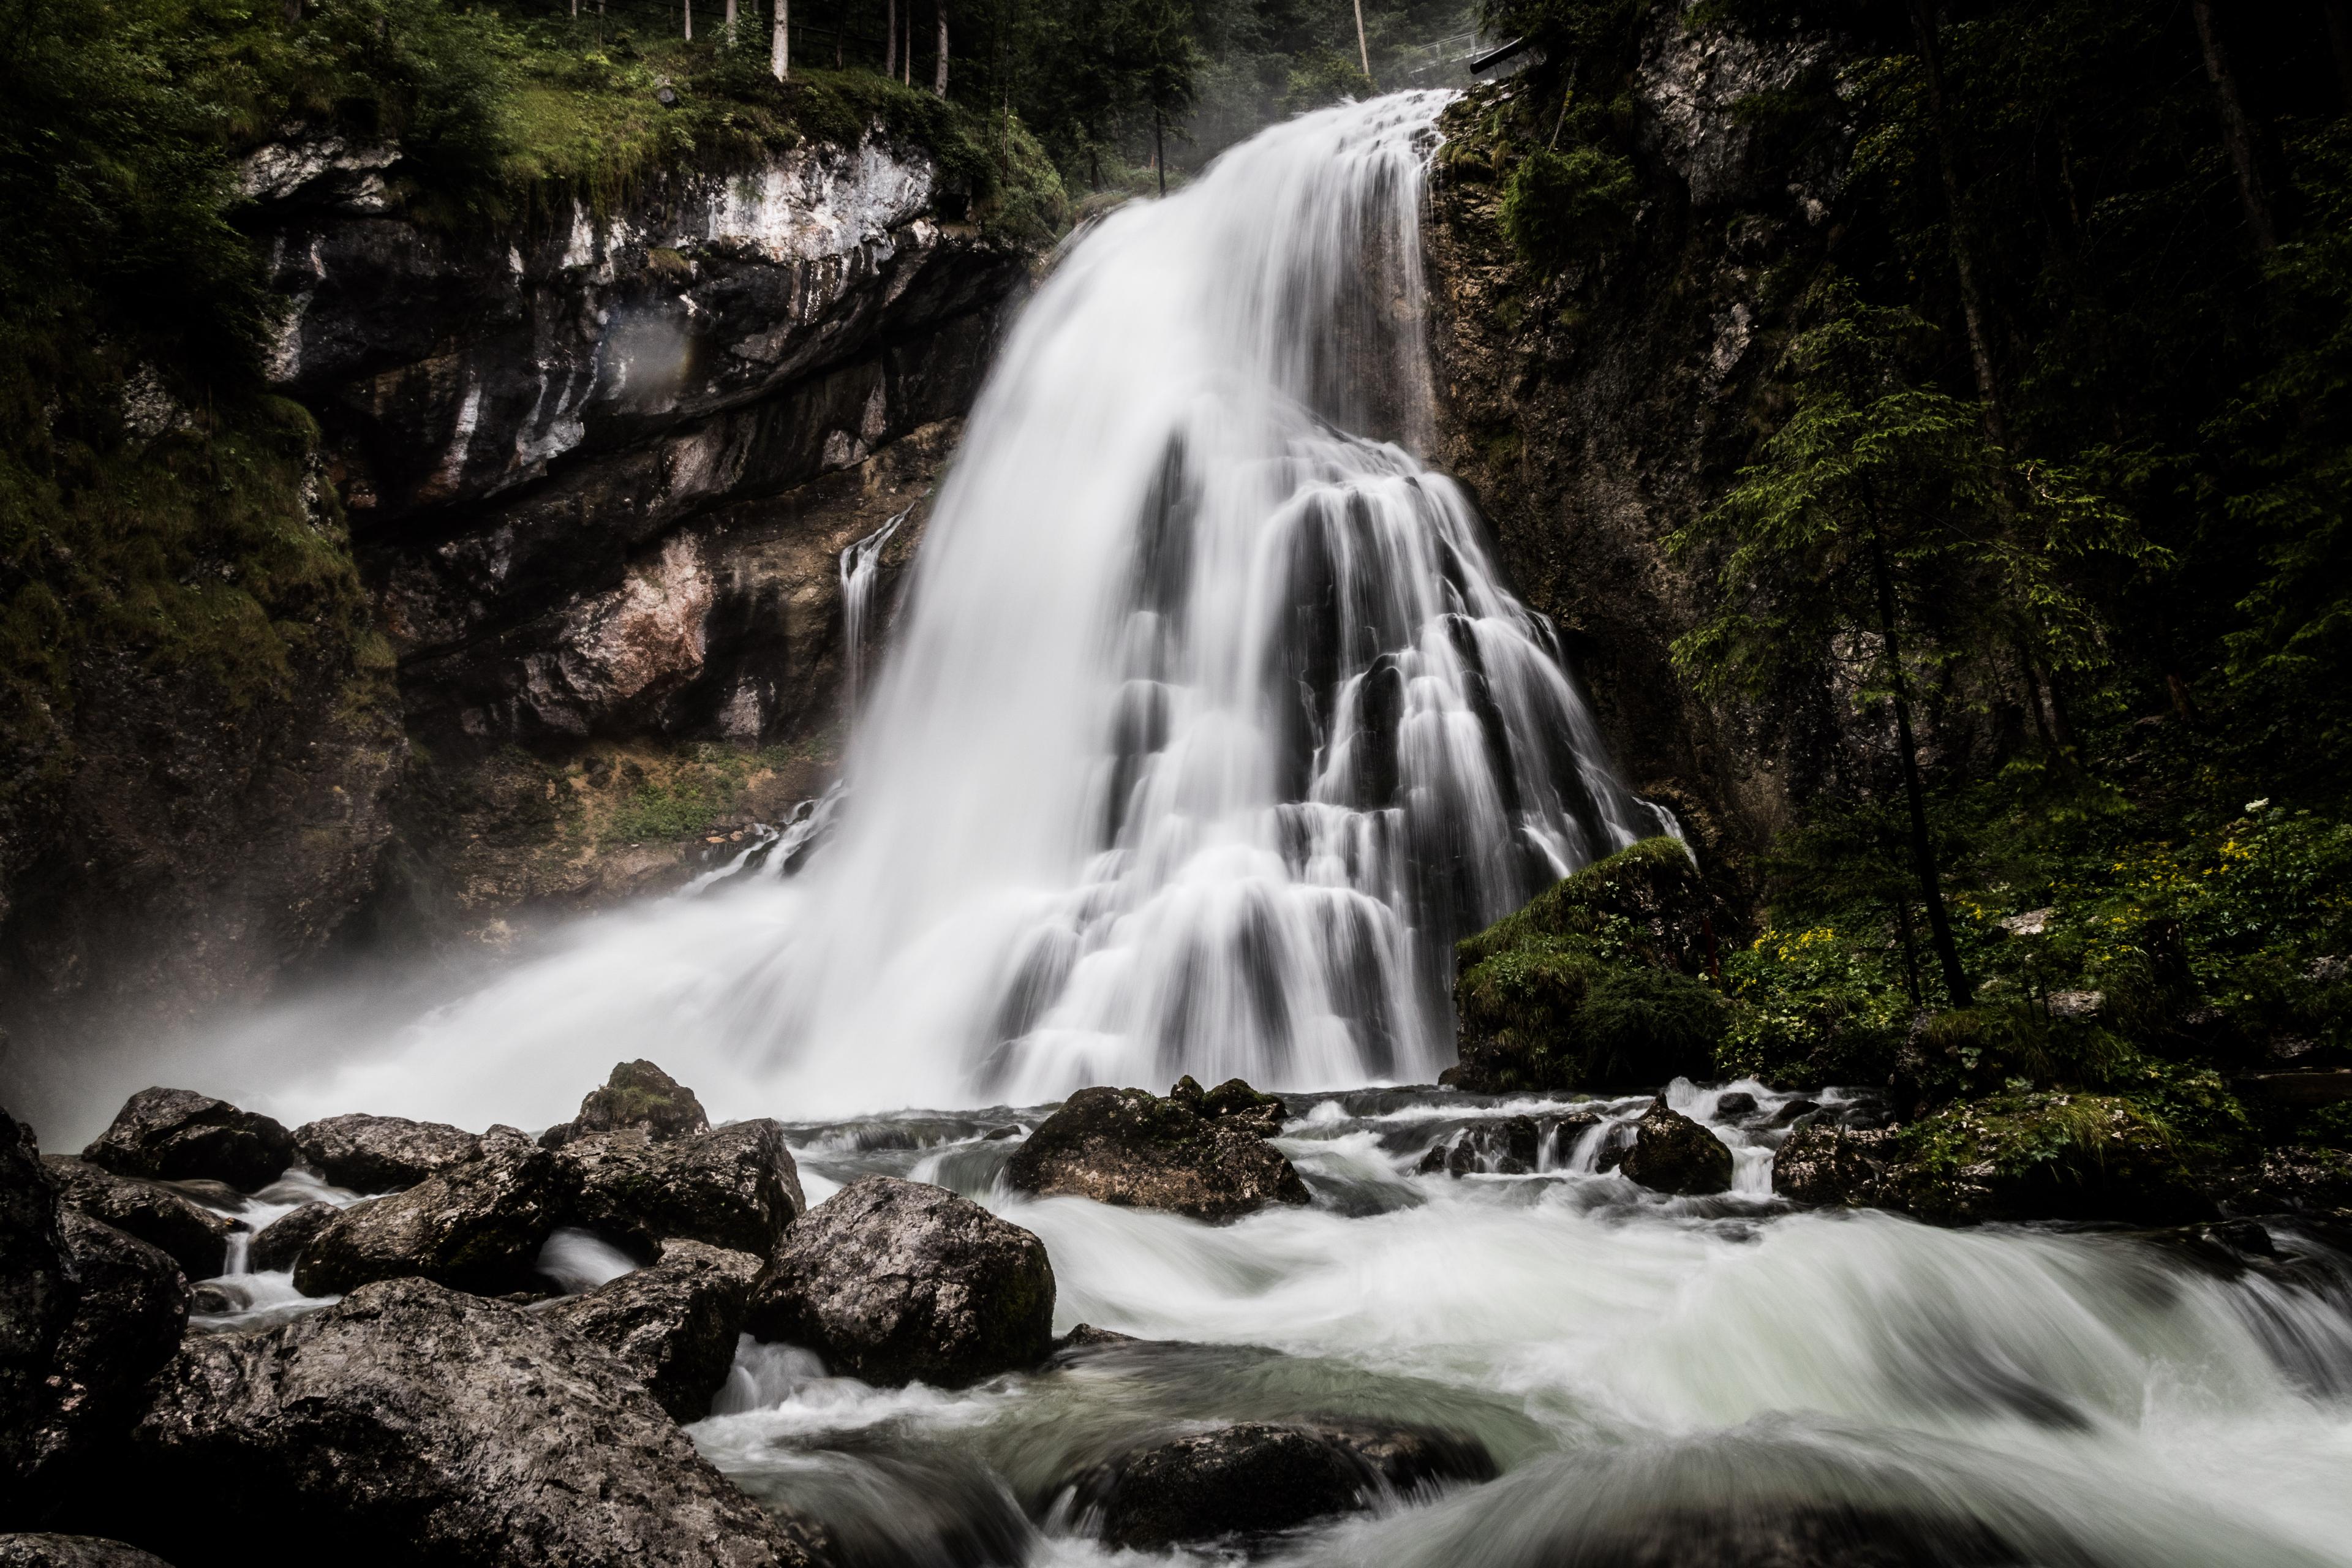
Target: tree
x,y
1163,65
1876,499
779,43
939,82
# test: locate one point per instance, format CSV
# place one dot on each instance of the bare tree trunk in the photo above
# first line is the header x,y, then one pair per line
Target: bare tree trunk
x,y
1158,151
727,27
689,21
1923,844
890,39
939,82
2237,131
1363,49
2339,41
1948,159
780,44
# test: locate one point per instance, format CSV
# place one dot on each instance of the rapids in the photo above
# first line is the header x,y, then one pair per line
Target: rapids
x,y
1207,727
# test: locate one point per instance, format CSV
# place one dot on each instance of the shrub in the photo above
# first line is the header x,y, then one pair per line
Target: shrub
x,y
1560,207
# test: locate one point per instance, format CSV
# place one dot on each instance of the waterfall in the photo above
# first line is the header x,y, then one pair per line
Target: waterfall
x,y
1208,727
861,569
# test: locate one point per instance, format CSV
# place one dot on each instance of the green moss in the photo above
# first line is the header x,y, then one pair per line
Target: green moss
x,y
1562,207
2028,1155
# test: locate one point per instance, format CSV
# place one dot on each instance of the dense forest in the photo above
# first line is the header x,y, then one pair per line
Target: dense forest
x,y
2045,477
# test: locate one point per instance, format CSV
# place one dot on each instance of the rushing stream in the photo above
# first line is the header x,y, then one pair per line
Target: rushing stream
x,y
1206,730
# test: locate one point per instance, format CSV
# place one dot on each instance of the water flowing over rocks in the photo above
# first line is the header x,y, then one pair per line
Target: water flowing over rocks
x,y
675,1322
894,1281
475,1226
415,1422
1203,1155
196,1238
171,1134
1672,1154
381,1153
734,1186
1254,1479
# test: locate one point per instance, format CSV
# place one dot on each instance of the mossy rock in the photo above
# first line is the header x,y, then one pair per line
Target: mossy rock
x,y
1590,986
2028,1155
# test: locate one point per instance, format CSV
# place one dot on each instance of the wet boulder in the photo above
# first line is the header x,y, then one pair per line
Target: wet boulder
x,y
674,1324
280,1245
1568,1134
36,1301
1131,1148
733,1186
2029,1154
72,1551
381,1153
475,1226
1254,1479
411,1423
172,1134
1672,1154
638,1097
1734,1103
196,1236
894,1282
131,1310
1827,1165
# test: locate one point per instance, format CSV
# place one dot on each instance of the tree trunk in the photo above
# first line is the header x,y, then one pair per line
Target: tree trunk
x,y
1948,162
727,28
292,10
2339,43
1923,846
1363,49
1159,152
779,43
2237,131
890,40
939,82
689,21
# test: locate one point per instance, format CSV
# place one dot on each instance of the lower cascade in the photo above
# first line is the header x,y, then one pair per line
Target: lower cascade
x,y
1206,729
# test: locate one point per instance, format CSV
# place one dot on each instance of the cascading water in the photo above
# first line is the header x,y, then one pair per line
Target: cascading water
x,y
1209,726
1209,729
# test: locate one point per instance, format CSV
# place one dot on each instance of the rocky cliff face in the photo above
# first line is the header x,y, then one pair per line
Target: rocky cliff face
x,y
1598,410
598,468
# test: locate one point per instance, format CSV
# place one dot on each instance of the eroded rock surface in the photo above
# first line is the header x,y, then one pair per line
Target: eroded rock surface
x,y
1193,1155
381,1153
131,1307
475,1226
411,1423
37,1301
1672,1154
196,1236
38,1550
734,1186
173,1134
675,1323
895,1283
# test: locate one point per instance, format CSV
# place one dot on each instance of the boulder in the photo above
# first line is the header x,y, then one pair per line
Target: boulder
x,y
734,1186
36,1301
1734,1103
674,1324
1830,1165
280,1245
411,1423
132,1310
475,1226
1233,1101
638,1095
171,1135
381,1153
196,1236
1672,1154
1793,1110
72,1551
1568,1132
894,1281
1254,1479
1128,1147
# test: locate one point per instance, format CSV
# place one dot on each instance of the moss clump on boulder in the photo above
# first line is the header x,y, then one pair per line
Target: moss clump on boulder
x,y
1592,986
637,1095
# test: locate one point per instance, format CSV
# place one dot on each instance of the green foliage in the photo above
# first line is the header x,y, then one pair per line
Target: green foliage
x,y
2024,1154
1322,78
1559,207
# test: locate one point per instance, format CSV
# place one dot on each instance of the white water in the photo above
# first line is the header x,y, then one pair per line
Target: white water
x,y
1208,729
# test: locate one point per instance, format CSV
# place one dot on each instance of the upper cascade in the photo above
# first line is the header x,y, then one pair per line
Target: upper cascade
x,y
1207,729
